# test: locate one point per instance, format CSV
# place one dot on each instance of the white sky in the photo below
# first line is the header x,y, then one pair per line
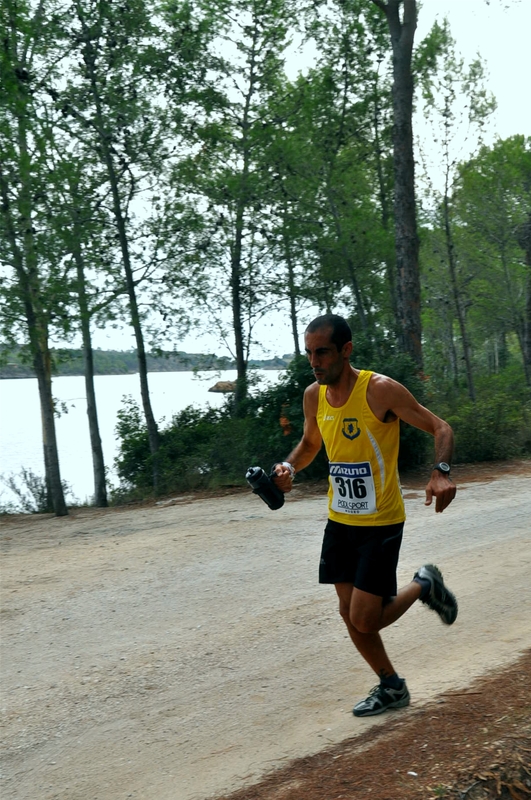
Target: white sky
x,y
499,32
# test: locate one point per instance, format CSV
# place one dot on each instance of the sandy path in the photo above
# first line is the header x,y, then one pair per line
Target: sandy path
x,y
171,653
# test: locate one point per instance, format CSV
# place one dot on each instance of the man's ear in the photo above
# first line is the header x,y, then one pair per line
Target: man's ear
x,y
347,349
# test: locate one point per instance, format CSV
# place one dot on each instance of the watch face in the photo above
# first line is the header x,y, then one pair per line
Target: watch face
x,y
443,466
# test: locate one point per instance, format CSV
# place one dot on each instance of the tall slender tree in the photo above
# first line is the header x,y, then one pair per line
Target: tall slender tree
x,y
79,223
31,50
402,24
244,63
322,168
492,204
107,105
458,105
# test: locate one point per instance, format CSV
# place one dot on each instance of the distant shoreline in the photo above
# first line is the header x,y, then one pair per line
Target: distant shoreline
x,y
32,376
69,362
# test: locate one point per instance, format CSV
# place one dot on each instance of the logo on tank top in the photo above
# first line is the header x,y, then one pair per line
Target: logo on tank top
x,y
351,429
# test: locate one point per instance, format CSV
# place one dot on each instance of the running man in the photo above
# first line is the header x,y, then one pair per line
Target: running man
x,y
357,414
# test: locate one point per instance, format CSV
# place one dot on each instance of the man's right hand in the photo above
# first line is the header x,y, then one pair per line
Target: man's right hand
x,y
282,478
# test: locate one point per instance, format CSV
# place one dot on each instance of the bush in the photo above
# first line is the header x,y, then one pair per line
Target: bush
x,y
30,489
208,449
134,445
496,427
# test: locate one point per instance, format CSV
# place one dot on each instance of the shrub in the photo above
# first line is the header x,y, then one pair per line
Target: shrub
x,y
207,449
30,489
494,428
134,445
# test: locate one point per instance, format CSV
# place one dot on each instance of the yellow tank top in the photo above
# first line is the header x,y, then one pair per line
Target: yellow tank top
x,y
364,487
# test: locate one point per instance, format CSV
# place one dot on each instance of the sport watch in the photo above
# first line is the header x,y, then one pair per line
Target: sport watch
x,y
443,467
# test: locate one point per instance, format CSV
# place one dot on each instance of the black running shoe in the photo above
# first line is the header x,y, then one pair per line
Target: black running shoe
x,y
439,599
380,699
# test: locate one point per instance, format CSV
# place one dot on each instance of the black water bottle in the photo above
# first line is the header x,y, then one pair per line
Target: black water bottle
x,y
262,485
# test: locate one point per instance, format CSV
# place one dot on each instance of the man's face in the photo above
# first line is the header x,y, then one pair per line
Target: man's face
x,y
326,361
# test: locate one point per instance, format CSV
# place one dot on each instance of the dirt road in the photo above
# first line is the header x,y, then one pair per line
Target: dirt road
x,y
174,652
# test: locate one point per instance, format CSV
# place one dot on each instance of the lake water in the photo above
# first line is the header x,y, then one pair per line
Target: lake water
x,y
20,420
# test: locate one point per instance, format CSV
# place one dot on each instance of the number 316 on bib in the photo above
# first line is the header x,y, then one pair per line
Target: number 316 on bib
x,y
353,488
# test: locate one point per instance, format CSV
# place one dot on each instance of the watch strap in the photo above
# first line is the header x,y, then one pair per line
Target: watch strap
x,y
442,467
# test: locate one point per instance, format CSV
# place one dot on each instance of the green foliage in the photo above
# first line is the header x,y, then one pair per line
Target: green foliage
x,y
132,134
327,166
489,205
492,429
428,52
279,420
134,449
498,425
208,449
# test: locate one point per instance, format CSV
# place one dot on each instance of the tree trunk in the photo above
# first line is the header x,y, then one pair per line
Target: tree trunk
x,y
406,238
520,322
459,310
236,252
151,425
360,311
38,339
235,281
292,293
98,464
453,358
236,275
42,367
25,263
527,334
524,240
384,203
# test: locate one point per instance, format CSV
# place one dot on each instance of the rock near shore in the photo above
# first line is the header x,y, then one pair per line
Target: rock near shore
x,y
223,387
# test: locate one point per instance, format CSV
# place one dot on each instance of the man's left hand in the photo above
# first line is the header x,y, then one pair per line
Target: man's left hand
x,y
442,488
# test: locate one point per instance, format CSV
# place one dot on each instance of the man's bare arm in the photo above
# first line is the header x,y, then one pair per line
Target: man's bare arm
x,y
386,393
308,447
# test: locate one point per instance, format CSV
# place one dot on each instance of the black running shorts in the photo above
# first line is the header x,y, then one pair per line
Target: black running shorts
x,y
364,555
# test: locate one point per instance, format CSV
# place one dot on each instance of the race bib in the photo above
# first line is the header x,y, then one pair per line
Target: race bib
x,y
353,488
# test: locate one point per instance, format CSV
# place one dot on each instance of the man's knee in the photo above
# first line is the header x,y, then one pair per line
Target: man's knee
x,y
361,622
366,620
344,610
366,624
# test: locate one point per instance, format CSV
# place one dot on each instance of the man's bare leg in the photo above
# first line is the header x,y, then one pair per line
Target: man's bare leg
x,y
365,615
